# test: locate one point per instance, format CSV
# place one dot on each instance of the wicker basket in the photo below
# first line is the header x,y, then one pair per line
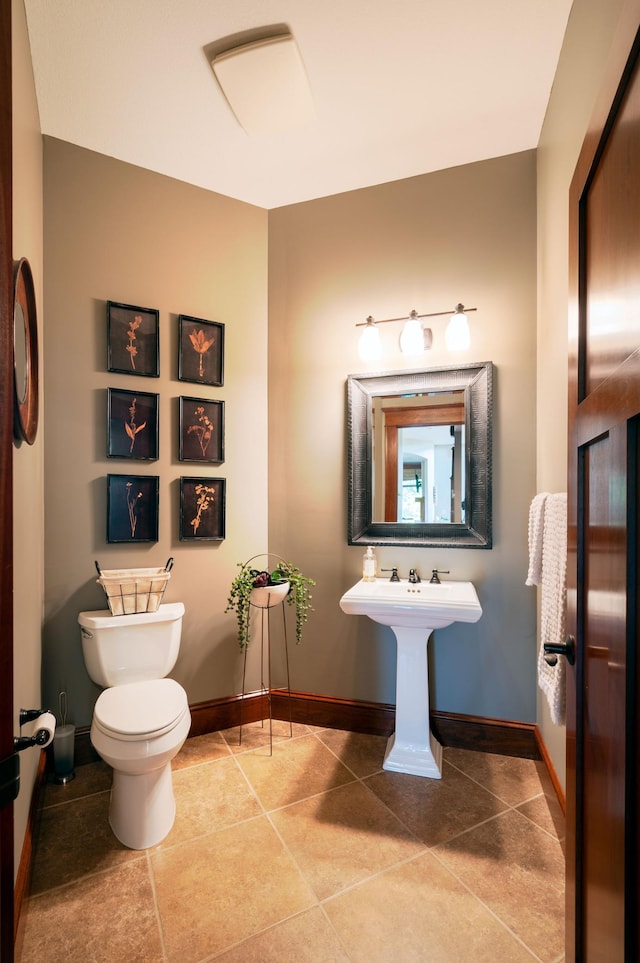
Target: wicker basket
x,y
133,590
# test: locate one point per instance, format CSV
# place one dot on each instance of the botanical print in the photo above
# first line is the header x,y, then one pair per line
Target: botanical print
x,y
132,506
131,334
200,345
205,496
133,339
131,428
202,508
132,424
201,350
203,430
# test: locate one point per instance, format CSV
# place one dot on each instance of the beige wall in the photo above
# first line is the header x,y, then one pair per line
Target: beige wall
x,y
28,512
113,231
590,30
466,234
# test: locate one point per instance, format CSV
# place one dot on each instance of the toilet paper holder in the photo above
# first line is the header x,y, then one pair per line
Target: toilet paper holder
x,y
41,737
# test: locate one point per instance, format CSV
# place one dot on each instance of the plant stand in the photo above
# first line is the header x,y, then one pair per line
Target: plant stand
x,y
265,599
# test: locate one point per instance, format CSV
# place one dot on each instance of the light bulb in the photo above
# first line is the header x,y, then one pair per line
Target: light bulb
x,y
412,337
457,334
369,346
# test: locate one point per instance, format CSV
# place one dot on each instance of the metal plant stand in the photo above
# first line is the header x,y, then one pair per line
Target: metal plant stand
x,y
267,599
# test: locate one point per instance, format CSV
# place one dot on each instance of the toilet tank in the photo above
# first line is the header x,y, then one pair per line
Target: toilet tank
x,y
131,648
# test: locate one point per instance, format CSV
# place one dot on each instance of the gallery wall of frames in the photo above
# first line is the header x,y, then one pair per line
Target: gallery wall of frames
x,y
133,426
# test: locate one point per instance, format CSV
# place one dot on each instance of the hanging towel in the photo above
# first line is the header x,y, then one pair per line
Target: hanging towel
x,y
536,530
551,679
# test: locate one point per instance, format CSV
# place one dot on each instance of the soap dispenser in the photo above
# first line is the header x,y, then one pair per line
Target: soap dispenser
x,y
369,565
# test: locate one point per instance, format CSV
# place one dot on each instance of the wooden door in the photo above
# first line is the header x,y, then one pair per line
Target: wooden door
x,y
604,469
6,497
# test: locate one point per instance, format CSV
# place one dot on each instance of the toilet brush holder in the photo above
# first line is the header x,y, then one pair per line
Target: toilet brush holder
x,y
63,747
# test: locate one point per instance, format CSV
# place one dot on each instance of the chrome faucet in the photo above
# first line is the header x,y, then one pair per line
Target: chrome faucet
x,y
414,578
394,574
435,575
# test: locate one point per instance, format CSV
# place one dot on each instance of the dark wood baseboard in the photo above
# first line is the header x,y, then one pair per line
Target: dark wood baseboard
x,y
459,731
451,729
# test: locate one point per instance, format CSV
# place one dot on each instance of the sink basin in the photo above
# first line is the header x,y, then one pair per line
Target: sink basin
x,y
425,605
413,611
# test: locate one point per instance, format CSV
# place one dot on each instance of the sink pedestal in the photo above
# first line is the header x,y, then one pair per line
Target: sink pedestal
x,y
413,748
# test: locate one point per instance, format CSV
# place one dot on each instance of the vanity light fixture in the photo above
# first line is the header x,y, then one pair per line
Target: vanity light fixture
x,y
370,346
457,334
415,339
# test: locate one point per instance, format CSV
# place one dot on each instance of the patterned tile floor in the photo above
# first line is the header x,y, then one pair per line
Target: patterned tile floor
x,y
313,854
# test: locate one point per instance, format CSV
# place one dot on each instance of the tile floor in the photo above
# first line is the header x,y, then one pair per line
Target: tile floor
x,y
313,854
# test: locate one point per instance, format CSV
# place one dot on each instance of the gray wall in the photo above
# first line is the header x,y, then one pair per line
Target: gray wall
x,y
117,232
465,234
114,231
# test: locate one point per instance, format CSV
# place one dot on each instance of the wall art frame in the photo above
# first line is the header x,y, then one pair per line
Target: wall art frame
x,y
202,509
201,430
133,340
200,351
132,508
132,424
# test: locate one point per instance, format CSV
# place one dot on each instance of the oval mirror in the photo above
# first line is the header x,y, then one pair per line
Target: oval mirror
x,y
25,353
419,451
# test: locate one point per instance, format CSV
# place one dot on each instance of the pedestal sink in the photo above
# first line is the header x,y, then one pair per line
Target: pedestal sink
x,y
413,611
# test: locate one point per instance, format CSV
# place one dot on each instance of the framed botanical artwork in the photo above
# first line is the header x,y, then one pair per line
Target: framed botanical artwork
x,y
132,424
202,509
132,508
133,340
201,430
200,351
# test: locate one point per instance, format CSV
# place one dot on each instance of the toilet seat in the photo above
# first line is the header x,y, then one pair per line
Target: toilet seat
x,y
140,710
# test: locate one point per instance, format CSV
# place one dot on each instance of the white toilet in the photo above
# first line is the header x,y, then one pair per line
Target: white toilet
x,y
141,719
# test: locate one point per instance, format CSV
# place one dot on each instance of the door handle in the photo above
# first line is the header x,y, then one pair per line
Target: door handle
x,y
553,649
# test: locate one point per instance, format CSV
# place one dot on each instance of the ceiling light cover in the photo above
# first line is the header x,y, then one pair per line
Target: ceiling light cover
x,y
266,85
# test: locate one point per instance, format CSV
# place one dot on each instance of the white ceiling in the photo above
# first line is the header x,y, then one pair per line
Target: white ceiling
x,y
401,87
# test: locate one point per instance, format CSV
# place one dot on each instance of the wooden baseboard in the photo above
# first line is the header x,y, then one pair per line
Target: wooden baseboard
x,y
452,729
553,775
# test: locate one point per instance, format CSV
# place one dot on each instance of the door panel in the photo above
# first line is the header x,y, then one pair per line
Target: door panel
x,y
604,409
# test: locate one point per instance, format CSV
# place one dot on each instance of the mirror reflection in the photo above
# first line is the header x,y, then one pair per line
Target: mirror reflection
x,y
418,458
419,447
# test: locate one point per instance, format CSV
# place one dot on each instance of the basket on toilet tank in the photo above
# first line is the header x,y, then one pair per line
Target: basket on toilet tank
x,y
130,591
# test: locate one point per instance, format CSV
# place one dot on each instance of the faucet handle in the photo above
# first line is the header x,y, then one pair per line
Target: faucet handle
x,y
435,573
394,573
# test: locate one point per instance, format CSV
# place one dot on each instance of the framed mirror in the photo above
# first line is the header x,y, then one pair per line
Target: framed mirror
x,y
419,457
25,353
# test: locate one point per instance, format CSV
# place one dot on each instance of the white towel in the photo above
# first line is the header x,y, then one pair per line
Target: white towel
x,y
551,679
536,530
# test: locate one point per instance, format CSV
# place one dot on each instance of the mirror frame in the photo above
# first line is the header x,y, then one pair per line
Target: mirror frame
x,y
25,407
477,382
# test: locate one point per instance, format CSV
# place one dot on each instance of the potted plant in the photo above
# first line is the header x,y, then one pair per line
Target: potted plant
x,y
263,589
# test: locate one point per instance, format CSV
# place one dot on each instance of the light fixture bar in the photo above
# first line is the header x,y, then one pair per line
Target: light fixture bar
x,y
412,314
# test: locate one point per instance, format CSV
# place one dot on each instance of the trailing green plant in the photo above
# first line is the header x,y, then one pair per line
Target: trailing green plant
x,y
298,596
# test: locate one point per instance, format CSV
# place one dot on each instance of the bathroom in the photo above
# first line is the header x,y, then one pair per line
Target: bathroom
x,y
493,235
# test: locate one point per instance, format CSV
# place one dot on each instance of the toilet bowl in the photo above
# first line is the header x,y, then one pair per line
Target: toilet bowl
x,y
137,729
141,719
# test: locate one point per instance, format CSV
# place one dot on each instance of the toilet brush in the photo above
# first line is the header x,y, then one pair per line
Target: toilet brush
x,y
63,744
